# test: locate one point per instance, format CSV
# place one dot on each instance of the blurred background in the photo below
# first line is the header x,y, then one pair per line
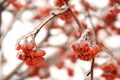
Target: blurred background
x,y
23,16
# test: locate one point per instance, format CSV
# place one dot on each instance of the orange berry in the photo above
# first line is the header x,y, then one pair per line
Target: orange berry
x,y
18,47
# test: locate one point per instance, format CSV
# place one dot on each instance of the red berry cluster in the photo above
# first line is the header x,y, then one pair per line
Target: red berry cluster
x,y
60,2
30,56
84,50
113,2
110,71
110,18
66,16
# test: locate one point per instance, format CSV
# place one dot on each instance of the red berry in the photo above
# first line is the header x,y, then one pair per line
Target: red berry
x,y
84,50
18,47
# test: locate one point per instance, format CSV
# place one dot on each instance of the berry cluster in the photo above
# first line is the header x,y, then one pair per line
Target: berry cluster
x,y
84,50
111,16
30,56
110,71
66,16
114,2
60,3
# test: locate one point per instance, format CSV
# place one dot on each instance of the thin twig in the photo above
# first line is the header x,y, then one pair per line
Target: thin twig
x,y
88,73
48,33
38,28
77,20
94,39
75,17
92,67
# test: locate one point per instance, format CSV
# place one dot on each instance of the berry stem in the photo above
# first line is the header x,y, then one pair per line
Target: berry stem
x,y
47,20
38,28
77,20
93,28
94,41
92,67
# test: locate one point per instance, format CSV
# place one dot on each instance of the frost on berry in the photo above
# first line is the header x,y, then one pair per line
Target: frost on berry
x,y
84,50
30,56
